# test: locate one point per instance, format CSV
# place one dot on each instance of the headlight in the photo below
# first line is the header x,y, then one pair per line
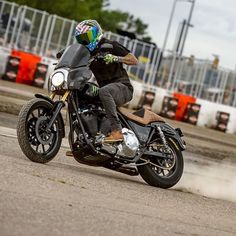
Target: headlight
x,y
58,79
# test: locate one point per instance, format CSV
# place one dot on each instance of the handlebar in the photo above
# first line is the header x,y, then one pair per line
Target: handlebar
x,y
96,58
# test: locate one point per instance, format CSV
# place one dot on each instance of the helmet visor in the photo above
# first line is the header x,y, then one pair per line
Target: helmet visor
x,y
87,37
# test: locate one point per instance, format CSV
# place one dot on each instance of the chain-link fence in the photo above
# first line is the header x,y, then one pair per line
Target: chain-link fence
x,y
41,33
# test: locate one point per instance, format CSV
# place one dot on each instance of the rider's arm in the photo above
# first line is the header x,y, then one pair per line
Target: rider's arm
x,y
129,59
124,54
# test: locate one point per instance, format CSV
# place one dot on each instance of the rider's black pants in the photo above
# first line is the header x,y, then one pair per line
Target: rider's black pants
x,y
112,95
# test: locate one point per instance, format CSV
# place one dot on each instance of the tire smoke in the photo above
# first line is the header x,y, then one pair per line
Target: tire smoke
x,y
213,180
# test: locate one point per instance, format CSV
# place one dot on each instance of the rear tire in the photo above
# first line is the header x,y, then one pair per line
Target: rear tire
x,y
152,177
30,141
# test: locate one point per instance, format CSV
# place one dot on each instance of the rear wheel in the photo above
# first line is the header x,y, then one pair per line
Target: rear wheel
x,y
164,173
37,143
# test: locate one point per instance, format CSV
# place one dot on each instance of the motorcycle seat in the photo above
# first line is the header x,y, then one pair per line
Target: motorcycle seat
x,y
142,116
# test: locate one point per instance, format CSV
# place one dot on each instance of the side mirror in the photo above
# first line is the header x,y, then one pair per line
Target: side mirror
x,y
59,54
106,47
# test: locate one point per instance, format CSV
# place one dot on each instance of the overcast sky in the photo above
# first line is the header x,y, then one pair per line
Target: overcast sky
x,y
214,21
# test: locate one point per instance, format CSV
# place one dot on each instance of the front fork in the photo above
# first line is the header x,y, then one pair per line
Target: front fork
x,y
57,108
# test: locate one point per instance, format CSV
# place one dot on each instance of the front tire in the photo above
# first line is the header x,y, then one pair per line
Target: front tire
x,y
36,143
156,177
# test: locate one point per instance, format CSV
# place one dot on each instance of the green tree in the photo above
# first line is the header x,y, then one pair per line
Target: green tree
x,y
79,10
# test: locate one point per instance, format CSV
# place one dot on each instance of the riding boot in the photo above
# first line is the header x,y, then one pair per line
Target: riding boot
x,y
115,136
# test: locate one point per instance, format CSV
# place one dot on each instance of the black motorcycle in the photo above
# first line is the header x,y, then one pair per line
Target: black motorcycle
x,y
151,147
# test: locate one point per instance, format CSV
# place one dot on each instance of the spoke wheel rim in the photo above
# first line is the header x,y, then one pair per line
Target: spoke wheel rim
x,y
41,141
164,172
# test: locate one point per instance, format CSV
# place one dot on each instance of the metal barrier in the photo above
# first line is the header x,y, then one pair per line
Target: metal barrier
x,y
7,20
31,30
199,79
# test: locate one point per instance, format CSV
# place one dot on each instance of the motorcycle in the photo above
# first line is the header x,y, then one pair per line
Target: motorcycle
x,y
151,147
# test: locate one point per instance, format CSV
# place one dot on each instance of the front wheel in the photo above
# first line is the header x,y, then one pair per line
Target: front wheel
x,y
158,175
37,143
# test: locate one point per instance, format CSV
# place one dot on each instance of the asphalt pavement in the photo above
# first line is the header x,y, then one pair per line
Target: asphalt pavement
x,y
64,197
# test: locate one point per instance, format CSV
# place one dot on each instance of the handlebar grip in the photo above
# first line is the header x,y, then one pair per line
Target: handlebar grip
x,y
100,57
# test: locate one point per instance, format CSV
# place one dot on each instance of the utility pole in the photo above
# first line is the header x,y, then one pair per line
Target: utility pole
x,y
188,25
175,53
152,77
162,50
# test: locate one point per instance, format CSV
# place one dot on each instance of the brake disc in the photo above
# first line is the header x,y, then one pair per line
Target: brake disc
x,y
43,136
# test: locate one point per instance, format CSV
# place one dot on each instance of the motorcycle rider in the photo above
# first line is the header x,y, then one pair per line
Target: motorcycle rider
x,y
115,87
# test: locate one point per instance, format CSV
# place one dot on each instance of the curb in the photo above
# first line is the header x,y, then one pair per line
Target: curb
x,y
11,105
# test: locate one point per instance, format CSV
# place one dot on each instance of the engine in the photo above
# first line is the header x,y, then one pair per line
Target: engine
x,y
128,148
130,145
95,121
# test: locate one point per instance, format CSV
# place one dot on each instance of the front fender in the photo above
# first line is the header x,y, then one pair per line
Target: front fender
x,y
37,95
172,134
53,103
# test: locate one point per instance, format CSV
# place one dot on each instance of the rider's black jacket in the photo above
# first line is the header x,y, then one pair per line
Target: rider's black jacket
x,y
113,72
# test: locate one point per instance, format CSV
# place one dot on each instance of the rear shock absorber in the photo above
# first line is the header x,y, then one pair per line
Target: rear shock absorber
x,y
163,138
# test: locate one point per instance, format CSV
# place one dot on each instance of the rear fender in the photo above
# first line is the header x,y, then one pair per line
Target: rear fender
x,y
174,135
59,115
